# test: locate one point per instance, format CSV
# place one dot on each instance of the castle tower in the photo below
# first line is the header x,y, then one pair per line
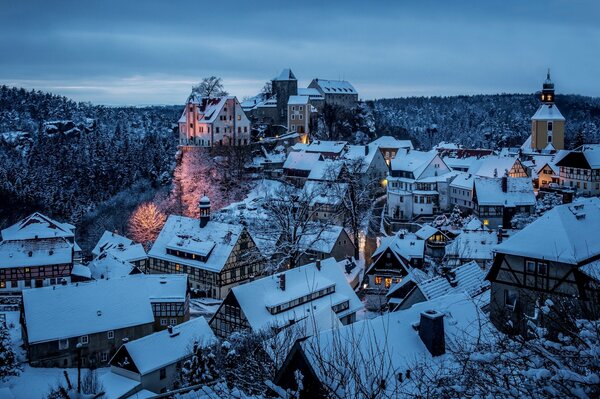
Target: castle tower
x,y
547,124
204,206
284,86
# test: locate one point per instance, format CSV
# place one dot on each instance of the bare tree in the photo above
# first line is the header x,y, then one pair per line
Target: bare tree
x,y
210,87
291,225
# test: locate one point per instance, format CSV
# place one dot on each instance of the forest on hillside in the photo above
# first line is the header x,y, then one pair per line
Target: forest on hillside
x,y
71,160
486,121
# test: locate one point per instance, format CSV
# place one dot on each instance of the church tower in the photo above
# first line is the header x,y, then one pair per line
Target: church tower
x,y
547,124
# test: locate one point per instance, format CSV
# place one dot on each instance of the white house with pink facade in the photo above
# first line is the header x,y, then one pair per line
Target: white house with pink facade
x,y
213,121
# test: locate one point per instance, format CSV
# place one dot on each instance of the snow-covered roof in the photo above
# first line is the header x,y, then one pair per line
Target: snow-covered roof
x,y
519,191
298,100
186,235
394,334
322,146
474,224
256,297
407,245
59,312
357,152
414,161
311,92
116,386
129,253
107,266
592,154
473,244
492,166
463,181
392,143
414,275
322,240
548,112
109,240
324,192
326,169
38,226
592,269
286,74
210,107
24,253
81,271
459,163
162,348
300,160
567,233
426,231
468,278
335,86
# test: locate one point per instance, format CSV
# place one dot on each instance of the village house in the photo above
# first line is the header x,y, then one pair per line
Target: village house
x,y
367,161
553,259
216,256
461,191
418,185
37,252
328,149
421,332
283,299
580,169
468,278
389,147
329,242
498,200
339,93
298,165
56,319
472,246
152,364
107,266
392,261
435,240
301,116
213,121
497,166
326,201
122,248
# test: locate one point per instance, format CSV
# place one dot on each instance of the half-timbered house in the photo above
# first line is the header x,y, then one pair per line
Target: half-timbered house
x,y
554,258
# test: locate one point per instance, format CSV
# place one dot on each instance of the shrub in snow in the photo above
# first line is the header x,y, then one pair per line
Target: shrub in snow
x,y
8,360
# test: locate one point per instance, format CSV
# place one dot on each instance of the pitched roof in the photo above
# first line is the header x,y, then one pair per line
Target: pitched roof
x,y
407,245
394,334
468,278
286,74
298,100
335,86
391,142
42,252
492,166
414,161
300,160
59,312
548,112
590,152
473,244
322,240
322,146
573,239
257,296
185,234
426,231
40,226
107,266
326,169
519,191
162,348
463,181
108,240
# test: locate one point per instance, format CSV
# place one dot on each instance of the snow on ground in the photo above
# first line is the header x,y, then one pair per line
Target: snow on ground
x,y
33,382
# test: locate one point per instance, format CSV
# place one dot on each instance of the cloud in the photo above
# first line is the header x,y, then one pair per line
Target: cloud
x,y
151,52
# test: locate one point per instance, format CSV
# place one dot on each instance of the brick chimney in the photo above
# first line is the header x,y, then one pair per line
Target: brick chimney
x,y
431,332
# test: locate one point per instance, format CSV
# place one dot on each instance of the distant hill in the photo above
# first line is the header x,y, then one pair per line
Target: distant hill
x,y
489,121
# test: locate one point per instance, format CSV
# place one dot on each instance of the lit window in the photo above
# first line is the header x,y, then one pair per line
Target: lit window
x,y
486,222
378,280
177,267
2,284
388,282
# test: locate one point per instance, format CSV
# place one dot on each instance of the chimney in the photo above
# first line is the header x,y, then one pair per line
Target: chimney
x,y
282,282
500,233
431,332
204,206
318,264
504,183
170,329
366,150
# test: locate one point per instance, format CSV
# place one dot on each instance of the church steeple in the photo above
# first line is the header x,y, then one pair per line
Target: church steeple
x,y
547,95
